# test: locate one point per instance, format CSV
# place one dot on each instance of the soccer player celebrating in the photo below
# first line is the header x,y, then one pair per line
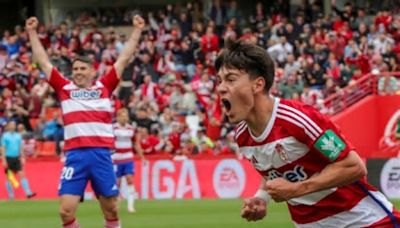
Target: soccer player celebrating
x,y
301,155
123,156
87,114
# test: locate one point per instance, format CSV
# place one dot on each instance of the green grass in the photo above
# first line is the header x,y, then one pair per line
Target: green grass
x,y
161,213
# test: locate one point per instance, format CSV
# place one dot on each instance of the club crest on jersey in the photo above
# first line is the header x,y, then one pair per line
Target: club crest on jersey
x,y
84,94
281,152
295,175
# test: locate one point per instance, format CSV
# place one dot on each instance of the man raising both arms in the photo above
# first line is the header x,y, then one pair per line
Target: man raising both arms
x,y
87,115
302,157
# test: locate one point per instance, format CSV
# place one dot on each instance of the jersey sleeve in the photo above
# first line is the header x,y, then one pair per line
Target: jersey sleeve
x,y
57,81
318,132
110,80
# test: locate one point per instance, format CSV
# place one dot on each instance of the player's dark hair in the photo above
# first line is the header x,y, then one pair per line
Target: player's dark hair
x,y
83,59
249,58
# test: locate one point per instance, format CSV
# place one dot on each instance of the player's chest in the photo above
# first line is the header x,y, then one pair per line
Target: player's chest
x,y
93,93
275,154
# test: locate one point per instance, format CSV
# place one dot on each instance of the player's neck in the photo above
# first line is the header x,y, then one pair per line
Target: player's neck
x,y
261,114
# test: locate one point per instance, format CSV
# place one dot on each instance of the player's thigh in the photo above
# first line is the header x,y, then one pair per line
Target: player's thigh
x,y
69,204
102,176
74,175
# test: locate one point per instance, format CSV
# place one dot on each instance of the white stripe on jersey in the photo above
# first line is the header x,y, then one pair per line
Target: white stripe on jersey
x,y
300,120
267,157
291,120
121,156
123,144
364,214
243,128
301,114
240,125
88,129
71,105
311,199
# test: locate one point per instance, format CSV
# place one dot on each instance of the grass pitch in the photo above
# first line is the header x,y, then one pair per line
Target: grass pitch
x,y
150,213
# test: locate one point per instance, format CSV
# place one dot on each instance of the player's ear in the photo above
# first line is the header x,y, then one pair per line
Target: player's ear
x,y
258,85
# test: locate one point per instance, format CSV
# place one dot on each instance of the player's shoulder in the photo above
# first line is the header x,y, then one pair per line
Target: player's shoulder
x,y
298,111
241,131
294,115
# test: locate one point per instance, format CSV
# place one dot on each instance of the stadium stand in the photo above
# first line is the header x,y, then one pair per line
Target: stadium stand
x,y
327,61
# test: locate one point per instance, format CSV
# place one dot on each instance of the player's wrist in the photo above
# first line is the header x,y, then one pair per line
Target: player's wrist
x,y
262,194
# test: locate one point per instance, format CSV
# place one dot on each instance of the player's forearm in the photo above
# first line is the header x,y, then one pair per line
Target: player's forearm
x,y
334,175
128,50
39,53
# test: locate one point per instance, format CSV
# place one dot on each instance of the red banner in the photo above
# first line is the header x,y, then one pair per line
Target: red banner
x,y
371,124
160,179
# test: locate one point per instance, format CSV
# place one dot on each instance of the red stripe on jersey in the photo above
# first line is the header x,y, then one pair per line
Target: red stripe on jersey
x,y
343,199
123,150
89,141
311,162
87,116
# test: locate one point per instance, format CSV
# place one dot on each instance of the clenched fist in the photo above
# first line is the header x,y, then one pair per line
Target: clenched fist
x,y
254,209
31,24
138,22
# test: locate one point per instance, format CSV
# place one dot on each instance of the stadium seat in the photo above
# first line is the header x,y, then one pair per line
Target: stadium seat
x,y
46,148
49,113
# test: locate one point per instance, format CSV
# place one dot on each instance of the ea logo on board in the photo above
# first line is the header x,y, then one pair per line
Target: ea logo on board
x,y
390,178
229,179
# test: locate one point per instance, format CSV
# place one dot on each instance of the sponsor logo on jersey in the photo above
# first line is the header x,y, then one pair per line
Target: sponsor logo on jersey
x,y
84,94
281,152
330,145
295,175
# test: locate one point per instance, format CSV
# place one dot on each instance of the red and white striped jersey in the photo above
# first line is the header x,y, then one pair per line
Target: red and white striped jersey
x,y
298,143
87,113
123,143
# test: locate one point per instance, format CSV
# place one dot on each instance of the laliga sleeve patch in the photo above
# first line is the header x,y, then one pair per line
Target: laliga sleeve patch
x,y
330,145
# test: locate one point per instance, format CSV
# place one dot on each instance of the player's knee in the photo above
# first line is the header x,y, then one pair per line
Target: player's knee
x,y
111,212
66,213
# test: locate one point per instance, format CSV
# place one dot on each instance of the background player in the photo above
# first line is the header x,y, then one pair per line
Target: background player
x,y
123,156
13,159
87,115
299,152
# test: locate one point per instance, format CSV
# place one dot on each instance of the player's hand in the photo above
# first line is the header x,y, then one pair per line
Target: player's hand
x,y
23,161
254,209
138,22
281,189
32,24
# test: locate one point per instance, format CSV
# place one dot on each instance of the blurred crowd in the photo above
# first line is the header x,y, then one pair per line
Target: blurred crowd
x,y
169,86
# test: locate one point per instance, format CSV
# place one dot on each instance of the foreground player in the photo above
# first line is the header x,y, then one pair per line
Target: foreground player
x,y
123,156
303,158
87,115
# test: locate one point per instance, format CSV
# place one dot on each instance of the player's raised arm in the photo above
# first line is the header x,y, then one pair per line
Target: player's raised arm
x,y
130,45
38,51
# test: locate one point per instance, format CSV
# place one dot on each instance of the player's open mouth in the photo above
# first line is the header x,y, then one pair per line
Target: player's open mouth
x,y
226,104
